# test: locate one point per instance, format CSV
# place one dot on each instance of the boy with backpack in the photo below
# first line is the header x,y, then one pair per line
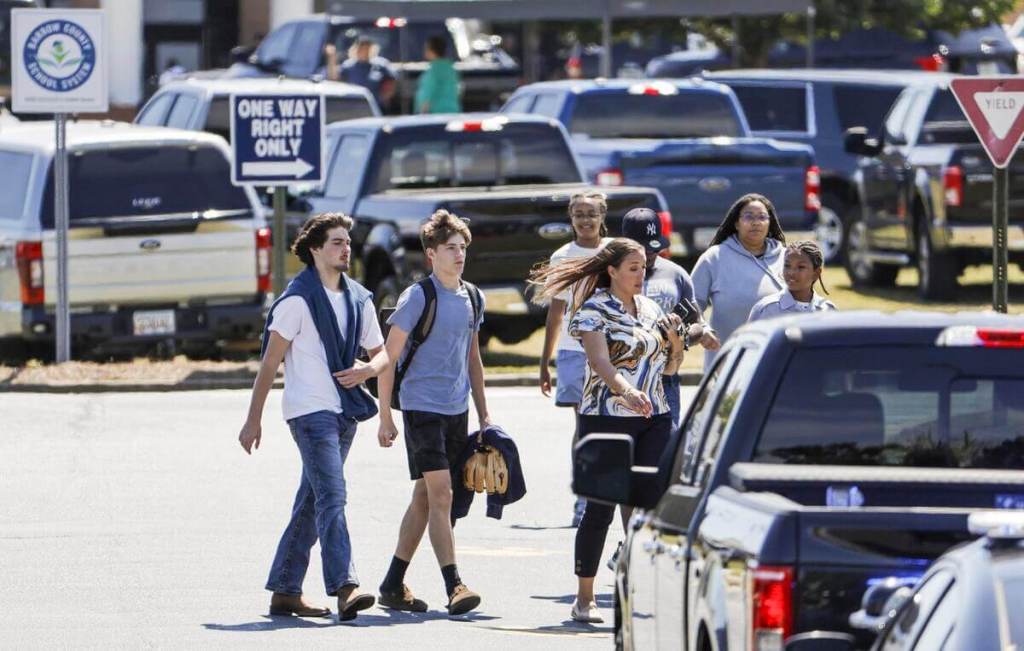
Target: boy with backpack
x,y
434,338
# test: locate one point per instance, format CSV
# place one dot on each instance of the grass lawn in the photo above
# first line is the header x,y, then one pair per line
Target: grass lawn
x,y
975,294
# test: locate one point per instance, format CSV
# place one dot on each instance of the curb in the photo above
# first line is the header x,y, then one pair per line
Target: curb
x,y
687,378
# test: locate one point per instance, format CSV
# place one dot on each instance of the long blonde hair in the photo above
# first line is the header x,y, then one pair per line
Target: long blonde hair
x,y
585,274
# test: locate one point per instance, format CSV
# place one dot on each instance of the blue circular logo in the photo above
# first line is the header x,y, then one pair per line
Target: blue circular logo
x,y
59,55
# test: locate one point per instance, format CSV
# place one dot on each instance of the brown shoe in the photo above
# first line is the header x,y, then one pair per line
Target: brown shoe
x,y
462,600
348,609
402,599
289,605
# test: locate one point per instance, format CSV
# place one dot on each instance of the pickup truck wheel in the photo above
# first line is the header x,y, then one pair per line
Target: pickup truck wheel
x,y
386,293
863,271
830,229
936,272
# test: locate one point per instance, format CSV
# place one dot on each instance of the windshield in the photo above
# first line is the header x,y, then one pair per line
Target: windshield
x,y
146,181
929,407
397,44
430,157
686,115
945,123
1013,592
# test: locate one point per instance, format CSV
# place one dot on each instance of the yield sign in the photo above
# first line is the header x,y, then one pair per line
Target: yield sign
x,y
993,107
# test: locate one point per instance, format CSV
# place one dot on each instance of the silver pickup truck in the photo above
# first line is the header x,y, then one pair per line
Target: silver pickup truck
x,y
163,250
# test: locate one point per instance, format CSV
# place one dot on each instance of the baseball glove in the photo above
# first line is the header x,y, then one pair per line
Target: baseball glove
x,y
486,471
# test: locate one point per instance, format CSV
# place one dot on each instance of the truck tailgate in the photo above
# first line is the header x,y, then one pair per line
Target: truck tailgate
x,y
700,179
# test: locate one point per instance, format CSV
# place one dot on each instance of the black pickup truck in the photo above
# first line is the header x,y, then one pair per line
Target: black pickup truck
x,y
510,177
820,454
925,194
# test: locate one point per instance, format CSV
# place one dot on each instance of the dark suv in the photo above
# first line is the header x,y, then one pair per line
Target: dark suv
x,y
815,107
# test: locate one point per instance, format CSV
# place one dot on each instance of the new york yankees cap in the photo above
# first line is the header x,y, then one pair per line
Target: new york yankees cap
x,y
644,226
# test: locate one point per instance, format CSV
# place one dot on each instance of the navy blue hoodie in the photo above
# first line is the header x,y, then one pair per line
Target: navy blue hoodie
x,y
462,497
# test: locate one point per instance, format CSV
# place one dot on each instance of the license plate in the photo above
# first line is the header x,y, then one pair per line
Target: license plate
x,y
153,322
702,237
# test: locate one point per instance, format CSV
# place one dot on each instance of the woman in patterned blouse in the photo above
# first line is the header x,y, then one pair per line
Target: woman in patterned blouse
x,y
630,343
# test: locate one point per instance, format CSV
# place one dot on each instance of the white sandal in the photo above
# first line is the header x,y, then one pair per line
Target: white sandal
x,y
588,614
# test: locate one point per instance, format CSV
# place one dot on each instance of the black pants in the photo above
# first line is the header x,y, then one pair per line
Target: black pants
x,y
650,435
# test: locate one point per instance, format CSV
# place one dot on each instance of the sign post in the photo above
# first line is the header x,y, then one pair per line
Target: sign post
x,y
277,141
59,66
993,106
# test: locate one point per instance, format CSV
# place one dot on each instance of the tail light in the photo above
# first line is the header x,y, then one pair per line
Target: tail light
x,y
953,186
471,126
772,616
933,63
611,176
263,243
665,217
812,188
29,257
967,336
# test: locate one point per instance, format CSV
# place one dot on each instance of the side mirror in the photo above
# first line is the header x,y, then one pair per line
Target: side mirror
x,y
603,471
856,141
880,602
820,641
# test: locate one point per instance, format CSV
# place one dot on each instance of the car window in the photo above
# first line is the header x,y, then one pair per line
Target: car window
x,y
771,108
863,106
432,158
692,429
182,111
398,40
347,108
548,105
519,104
306,51
624,115
276,45
942,620
349,159
17,168
912,406
944,122
725,407
146,180
155,112
902,631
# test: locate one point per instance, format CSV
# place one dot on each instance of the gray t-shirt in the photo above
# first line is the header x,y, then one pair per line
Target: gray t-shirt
x,y
438,379
667,284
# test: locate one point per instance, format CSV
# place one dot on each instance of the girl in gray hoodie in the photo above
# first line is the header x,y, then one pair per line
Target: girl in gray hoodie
x,y
742,266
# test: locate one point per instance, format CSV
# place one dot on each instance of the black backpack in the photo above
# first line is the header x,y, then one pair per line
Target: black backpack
x,y
420,331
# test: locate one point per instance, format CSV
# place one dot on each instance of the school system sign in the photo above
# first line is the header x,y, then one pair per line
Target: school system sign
x,y
59,61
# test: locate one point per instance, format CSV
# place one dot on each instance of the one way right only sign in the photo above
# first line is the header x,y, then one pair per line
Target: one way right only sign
x,y
277,139
993,106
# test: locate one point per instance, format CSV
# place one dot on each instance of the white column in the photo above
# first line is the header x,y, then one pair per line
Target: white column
x,y
281,11
127,51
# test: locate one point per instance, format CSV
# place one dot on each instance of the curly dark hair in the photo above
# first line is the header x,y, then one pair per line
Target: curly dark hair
x,y
314,233
441,226
728,226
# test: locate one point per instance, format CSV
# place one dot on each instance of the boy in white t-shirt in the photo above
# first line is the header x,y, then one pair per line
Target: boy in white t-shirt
x,y
317,327
587,210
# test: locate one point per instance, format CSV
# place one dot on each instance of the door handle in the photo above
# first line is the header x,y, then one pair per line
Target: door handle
x,y
676,553
653,547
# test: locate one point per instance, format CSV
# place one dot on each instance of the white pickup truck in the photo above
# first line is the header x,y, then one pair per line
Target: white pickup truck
x,y
164,253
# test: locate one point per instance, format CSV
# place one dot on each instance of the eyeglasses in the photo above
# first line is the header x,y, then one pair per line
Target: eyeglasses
x,y
751,218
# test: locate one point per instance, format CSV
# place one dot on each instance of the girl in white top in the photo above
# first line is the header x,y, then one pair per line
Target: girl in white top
x,y
802,268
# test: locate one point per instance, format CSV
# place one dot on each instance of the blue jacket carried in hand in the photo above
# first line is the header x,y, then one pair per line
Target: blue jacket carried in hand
x,y
462,497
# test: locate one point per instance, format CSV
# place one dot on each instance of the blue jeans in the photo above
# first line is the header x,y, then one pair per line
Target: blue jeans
x,y
670,383
324,439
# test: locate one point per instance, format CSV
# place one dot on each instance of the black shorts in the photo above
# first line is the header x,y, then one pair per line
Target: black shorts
x,y
433,441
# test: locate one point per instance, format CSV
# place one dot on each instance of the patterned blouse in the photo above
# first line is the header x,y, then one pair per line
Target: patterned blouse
x,y
636,347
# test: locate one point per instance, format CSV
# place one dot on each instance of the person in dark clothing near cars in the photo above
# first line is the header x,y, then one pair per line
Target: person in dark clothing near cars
x,y
365,67
433,395
630,343
317,327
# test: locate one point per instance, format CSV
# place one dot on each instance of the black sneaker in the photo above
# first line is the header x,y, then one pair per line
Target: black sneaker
x,y
402,599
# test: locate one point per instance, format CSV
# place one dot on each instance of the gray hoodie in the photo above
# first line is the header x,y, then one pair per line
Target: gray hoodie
x,y
731,280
